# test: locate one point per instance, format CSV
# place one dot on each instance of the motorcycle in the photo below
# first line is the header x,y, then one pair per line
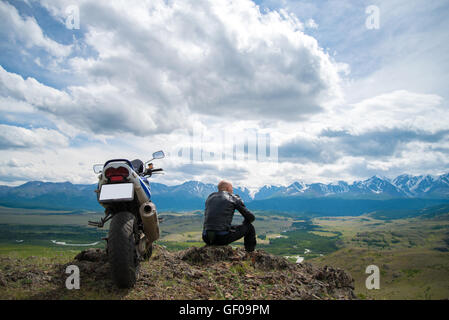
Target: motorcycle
x,y
125,193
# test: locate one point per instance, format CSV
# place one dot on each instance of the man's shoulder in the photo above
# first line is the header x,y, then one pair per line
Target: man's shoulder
x,y
224,195
213,194
236,196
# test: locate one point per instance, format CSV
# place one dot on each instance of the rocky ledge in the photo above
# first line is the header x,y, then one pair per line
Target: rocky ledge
x,y
220,272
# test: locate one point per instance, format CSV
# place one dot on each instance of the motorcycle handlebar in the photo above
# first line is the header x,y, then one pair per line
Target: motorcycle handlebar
x,y
149,172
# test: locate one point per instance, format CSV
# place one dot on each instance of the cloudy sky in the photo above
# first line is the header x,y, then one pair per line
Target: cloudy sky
x,y
338,100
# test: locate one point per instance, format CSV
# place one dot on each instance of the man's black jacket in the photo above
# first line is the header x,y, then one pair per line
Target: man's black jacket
x,y
220,207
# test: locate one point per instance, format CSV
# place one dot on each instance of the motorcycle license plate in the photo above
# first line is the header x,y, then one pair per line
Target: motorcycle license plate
x,y
117,192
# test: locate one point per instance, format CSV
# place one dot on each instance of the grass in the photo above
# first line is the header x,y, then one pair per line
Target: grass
x,y
404,273
412,253
405,250
24,251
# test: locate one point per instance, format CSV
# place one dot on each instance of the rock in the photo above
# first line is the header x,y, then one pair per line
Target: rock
x,y
92,254
266,261
210,272
3,282
296,281
207,254
337,278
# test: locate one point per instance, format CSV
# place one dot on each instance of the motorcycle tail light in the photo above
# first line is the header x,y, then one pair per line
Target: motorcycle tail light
x,y
116,174
116,178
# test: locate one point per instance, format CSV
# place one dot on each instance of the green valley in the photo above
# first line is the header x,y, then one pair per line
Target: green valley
x,y
411,252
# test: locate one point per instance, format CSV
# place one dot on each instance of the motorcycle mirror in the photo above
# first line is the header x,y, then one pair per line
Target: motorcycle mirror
x,y
158,155
98,168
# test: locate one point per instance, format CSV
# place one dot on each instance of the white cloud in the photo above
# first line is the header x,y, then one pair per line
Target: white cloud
x,y
399,109
159,63
12,137
98,108
388,134
311,24
26,30
9,104
31,91
156,69
210,57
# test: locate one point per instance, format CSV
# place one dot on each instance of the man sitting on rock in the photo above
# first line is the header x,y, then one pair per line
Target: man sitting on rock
x,y
220,207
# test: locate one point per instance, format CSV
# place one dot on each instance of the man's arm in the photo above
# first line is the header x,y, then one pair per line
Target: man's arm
x,y
240,206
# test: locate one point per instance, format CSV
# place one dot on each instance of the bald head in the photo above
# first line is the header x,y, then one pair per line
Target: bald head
x,y
225,186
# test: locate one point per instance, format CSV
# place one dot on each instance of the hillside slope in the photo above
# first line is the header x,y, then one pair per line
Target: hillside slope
x,y
194,273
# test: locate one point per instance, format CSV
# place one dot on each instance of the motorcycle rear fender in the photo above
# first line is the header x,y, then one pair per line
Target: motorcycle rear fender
x,y
141,190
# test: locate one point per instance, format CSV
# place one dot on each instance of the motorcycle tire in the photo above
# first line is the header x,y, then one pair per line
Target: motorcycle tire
x,y
122,251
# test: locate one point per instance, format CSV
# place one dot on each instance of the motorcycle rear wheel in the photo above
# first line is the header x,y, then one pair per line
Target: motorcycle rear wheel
x,y
122,251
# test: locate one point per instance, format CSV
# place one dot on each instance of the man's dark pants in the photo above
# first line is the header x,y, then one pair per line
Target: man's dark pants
x,y
245,230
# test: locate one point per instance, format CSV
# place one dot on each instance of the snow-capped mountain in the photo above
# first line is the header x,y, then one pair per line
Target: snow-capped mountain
x,y
268,191
403,186
418,186
320,189
296,188
413,185
376,185
191,194
195,189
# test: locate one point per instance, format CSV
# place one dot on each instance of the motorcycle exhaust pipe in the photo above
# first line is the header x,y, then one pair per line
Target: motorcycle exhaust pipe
x,y
150,222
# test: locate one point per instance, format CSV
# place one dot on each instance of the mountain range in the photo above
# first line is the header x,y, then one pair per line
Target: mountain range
x,y
376,193
403,186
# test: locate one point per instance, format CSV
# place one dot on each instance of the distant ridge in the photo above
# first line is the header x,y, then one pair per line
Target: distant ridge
x,y
403,186
301,197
